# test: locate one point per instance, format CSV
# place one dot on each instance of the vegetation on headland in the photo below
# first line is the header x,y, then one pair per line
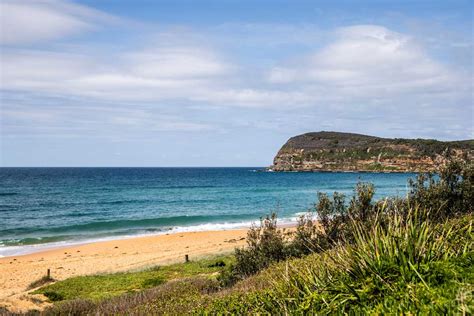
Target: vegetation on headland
x,y
412,255
333,151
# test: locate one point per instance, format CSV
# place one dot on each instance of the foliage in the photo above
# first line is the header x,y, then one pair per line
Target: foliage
x,y
265,244
348,145
98,287
446,194
175,297
330,227
409,266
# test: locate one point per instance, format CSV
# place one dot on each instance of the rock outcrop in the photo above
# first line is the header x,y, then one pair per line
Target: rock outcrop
x,y
333,151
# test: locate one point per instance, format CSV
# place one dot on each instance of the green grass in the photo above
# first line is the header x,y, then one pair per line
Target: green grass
x,y
409,266
98,287
446,290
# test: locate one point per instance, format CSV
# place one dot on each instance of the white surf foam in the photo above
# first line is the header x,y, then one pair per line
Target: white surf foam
x,y
8,251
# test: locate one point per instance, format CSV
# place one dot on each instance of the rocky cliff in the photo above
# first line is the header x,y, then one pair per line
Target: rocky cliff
x,y
333,151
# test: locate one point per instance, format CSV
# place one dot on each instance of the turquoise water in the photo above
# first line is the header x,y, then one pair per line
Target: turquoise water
x,y
44,207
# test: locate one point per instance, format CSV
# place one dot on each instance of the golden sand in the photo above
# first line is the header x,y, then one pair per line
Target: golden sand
x,y
17,272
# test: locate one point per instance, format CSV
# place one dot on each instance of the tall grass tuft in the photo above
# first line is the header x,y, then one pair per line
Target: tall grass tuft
x,y
393,266
408,264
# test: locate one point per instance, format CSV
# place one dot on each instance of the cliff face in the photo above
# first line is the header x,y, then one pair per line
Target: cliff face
x,y
333,151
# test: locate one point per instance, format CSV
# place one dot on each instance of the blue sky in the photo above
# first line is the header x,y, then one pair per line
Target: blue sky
x,y
225,83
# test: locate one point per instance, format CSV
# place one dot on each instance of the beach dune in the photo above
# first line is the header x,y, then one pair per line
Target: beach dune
x,y
17,272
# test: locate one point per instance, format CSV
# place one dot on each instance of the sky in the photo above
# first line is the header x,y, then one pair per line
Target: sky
x,y
225,83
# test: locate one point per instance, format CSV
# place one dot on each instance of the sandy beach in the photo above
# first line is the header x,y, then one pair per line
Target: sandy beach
x,y
17,272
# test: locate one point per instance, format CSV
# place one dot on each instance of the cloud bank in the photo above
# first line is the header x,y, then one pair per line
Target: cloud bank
x,y
366,63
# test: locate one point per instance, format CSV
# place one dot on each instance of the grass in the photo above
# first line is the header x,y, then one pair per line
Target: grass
x,y
407,267
176,297
102,286
410,266
446,290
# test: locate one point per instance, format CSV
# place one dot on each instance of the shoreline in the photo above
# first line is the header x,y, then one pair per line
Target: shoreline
x,y
119,255
269,169
22,250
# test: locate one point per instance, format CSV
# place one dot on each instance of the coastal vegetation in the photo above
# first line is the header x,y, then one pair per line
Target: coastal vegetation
x,y
101,286
347,255
334,151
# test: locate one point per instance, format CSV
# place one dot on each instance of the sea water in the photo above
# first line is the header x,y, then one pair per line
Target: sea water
x,y
49,207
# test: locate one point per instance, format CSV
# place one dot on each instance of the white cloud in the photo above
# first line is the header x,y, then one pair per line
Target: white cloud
x,y
30,70
26,22
150,74
139,119
178,62
365,72
85,120
363,64
369,60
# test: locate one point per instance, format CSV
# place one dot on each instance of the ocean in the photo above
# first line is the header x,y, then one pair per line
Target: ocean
x,y
42,208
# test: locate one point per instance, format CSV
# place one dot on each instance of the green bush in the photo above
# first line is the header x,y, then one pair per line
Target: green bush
x,y
361,207
446,194
265,244
320,229
308,237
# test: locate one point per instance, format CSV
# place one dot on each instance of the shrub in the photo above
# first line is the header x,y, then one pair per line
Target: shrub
x,y
319,230
361,208
333,216
265,244
332,225
446,194
308,236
